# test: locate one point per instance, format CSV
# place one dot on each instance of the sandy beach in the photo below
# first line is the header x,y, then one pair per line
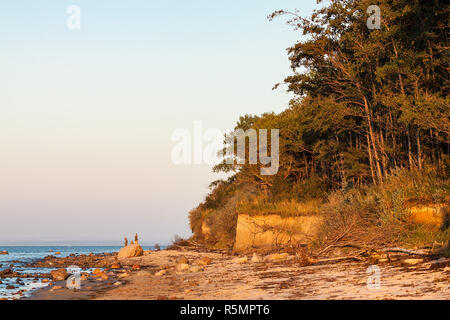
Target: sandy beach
x,y
191,275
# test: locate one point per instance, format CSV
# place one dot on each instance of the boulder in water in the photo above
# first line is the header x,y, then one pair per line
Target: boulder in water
x,y
60,274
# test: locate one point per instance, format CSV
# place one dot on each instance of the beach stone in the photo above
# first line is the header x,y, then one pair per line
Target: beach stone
x,y
10,287
133,250
84,277
56,288
182,267
204,261
136,267
115,266
240,260
161,273
6,273
97,271
277,256
195,269
124,275
57,252
257,258
4,252
412,262
118,283
143,273
59,275
182,260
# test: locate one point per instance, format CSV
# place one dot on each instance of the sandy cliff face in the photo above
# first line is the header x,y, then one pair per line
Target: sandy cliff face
x,y
434,215
274,230
206,230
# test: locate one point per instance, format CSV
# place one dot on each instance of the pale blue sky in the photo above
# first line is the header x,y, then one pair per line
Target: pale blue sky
x,y
86,116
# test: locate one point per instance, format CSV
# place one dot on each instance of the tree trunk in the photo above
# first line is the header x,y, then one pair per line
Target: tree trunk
x,y
409,150
369,151
372,139
419,151
384,154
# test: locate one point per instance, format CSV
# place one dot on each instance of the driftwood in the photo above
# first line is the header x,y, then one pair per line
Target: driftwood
x,y
407,251
358,256
338,238
197,247
339,246
338,259
386,250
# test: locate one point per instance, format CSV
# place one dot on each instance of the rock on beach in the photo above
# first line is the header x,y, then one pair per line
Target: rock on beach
x,y
130,251
59,275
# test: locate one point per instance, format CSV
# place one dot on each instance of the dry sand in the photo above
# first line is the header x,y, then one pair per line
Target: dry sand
x,y
227,279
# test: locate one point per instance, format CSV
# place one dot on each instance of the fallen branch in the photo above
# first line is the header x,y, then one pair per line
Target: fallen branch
x,y
407,251
338,259
337,239
339,246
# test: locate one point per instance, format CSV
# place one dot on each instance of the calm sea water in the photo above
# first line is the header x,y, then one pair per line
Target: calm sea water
x,y
20,255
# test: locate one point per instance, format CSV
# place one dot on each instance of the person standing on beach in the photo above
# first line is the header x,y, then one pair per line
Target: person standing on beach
x,y
126,241
136,238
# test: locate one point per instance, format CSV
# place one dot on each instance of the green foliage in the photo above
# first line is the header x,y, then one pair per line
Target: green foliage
x,y
368,128
373,214
417,236
309,188
283,208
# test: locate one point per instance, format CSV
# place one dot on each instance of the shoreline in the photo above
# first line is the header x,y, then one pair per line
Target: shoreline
x,y
190,274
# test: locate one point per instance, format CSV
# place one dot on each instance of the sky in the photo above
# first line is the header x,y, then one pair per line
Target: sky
x,y
86,116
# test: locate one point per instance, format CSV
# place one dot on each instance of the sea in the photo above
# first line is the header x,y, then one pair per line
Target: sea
x,y
19,256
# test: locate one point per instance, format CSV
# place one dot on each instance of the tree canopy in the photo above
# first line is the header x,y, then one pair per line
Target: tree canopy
x,y
366,101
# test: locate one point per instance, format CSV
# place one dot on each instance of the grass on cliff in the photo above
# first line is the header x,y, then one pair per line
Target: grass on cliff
x,y
283,208
379,215
368,215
